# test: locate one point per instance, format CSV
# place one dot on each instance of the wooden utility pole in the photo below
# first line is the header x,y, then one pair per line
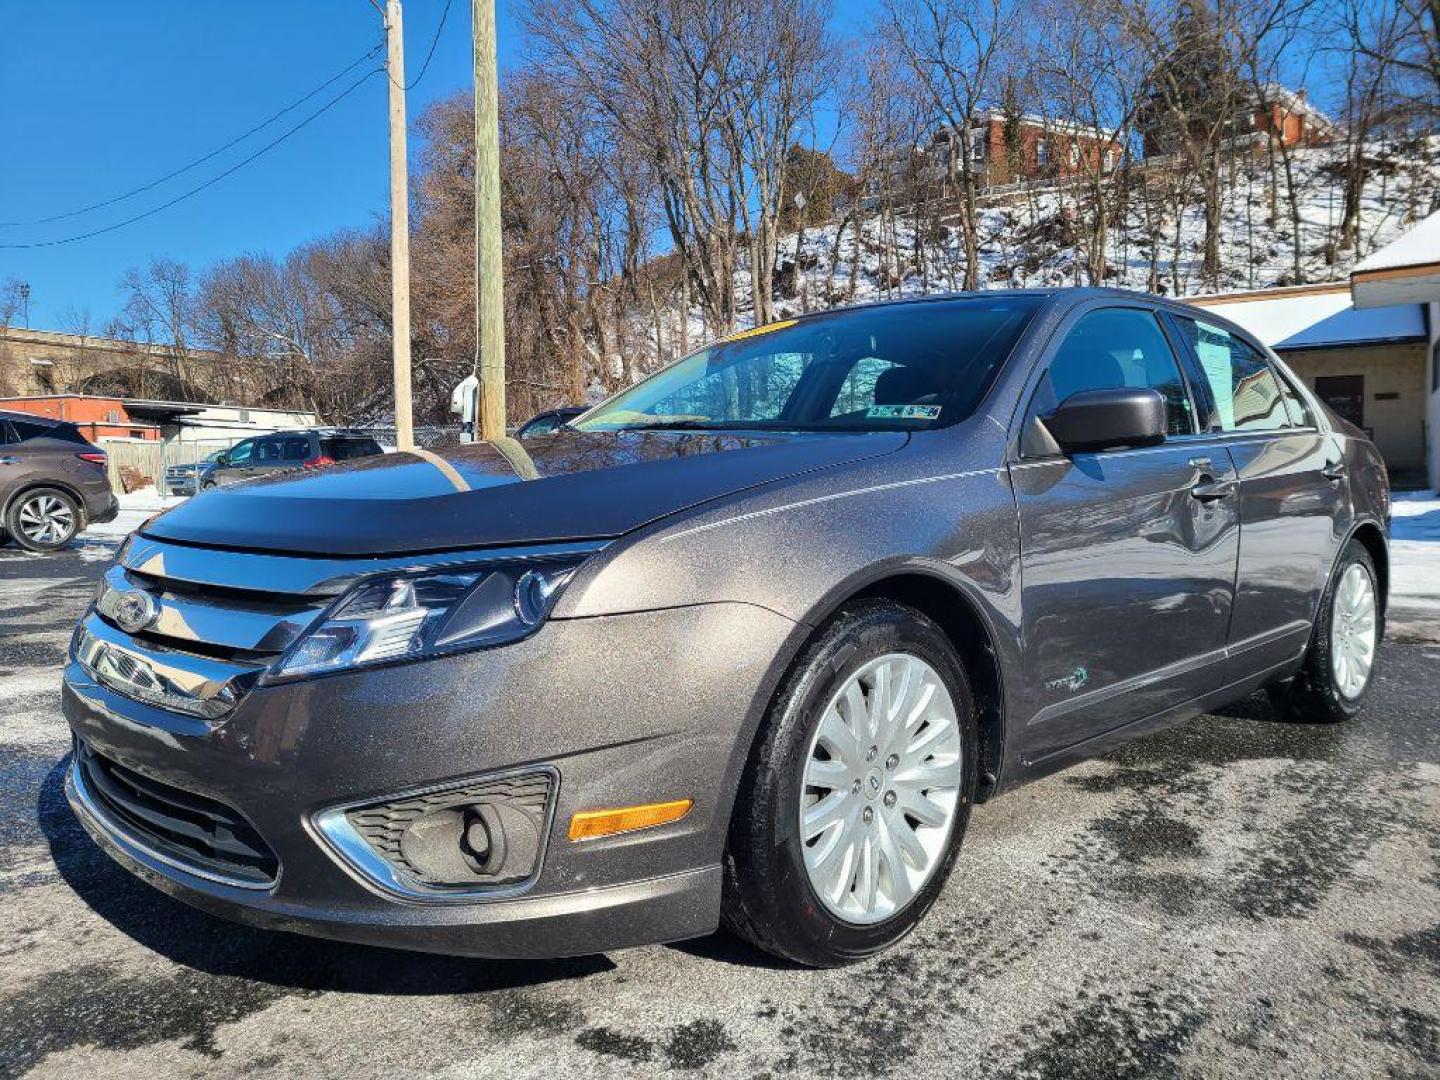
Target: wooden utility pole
x,y
489,270
399,227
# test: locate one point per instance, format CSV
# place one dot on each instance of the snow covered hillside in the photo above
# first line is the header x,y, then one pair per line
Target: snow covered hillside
x,y
1027,238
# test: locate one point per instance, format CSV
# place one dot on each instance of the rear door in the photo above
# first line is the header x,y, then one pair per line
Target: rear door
x,y
1127,555
1292,496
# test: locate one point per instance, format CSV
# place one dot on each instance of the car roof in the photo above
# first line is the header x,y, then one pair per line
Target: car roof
x,y
1059,296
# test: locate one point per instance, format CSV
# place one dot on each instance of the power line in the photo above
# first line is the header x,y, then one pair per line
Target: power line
x,y
201,160
213,180
433,42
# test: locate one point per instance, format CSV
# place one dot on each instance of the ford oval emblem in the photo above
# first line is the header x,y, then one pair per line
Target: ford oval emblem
x,y
134,610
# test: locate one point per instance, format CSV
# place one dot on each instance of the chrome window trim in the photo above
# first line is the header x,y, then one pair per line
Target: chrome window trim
x,y
314,575
140,851
343,843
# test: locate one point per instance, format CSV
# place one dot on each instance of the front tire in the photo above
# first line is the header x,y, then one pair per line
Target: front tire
x,y
858,791
43,519
1339,665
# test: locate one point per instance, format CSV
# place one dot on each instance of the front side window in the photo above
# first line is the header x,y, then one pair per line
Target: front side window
x,y
1113,348
1247,395
240,454
901,367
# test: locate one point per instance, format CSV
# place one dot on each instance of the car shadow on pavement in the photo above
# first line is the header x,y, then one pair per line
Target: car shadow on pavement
x,y
203,942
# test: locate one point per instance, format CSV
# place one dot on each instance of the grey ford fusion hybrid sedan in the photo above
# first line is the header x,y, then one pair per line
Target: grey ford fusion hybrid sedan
x,y
743,644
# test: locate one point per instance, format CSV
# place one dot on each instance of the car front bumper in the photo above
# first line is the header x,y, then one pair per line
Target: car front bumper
x,y
626,710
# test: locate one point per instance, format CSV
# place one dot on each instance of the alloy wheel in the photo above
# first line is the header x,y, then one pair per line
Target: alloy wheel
x,y
880,790
1352,631
46,520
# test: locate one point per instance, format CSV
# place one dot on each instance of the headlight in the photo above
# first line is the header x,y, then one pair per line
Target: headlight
x,y
408,616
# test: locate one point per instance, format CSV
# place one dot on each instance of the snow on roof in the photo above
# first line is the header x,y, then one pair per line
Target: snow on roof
x,y
1417,247
1299,104
1315,316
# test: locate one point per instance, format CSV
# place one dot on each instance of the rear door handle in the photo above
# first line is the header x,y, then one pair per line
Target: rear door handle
x,y
1334,471
1209,489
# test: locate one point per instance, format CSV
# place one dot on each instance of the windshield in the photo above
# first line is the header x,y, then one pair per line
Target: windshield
x,y
900,367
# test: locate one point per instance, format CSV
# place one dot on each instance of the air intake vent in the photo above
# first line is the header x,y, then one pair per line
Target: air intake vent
x,y
183,828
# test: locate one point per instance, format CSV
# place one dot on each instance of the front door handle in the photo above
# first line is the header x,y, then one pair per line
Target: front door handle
x,y
1209,489
1335,470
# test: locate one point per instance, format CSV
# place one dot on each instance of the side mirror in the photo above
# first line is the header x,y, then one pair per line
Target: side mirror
x,y
1107,419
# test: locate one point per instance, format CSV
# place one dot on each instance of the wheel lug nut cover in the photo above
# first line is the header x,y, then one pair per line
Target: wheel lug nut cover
x,y
869,815
889,798
892,761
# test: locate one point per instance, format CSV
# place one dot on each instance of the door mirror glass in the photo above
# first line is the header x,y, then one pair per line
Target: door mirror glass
x,y
1108,419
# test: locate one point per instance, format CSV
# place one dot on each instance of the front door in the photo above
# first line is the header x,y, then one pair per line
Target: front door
x,y
1127,556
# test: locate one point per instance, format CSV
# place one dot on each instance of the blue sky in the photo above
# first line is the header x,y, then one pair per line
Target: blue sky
x,y
98,97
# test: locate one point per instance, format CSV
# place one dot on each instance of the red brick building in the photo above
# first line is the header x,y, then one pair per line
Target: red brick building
x,y
1007,150
97,417
1288,118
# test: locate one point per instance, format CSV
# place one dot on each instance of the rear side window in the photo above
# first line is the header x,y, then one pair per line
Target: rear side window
x,y
1245,390
1300,414
268,451
288,448
26,430
344,449
295,448
1113,348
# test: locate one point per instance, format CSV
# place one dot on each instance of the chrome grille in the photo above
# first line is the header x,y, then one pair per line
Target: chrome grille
x,y
216,619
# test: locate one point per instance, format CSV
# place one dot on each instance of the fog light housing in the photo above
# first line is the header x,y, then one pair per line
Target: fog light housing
x,y
450,842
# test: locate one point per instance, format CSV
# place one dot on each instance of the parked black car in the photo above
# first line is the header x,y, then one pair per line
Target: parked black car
x,y
549,422
285,450
747,643
52,482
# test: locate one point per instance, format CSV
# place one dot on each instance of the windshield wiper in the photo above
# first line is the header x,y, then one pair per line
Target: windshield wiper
x,y
669,425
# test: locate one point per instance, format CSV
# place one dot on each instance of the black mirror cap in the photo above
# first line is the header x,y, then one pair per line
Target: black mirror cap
x,y
1121,416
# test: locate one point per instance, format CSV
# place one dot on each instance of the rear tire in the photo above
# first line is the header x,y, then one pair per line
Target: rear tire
x,y
835,893
1339,665
43,519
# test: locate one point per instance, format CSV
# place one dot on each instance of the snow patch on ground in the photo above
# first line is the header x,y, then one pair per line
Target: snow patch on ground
x,y
1415,567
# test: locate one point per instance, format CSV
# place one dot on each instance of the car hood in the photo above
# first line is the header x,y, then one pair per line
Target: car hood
x,y
567,486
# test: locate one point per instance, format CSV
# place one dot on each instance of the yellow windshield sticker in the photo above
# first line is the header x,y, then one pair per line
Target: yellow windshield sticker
x,y
756,331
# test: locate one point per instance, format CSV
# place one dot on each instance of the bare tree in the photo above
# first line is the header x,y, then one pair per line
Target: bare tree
x,y
955,49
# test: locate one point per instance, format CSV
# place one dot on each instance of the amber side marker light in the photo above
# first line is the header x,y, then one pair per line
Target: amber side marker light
x,y
590,824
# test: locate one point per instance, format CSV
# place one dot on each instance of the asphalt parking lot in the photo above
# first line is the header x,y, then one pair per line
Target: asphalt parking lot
x,y
1237,897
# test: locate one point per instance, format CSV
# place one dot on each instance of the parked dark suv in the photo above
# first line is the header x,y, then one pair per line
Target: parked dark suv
x,y
284,450
52,482
746,642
